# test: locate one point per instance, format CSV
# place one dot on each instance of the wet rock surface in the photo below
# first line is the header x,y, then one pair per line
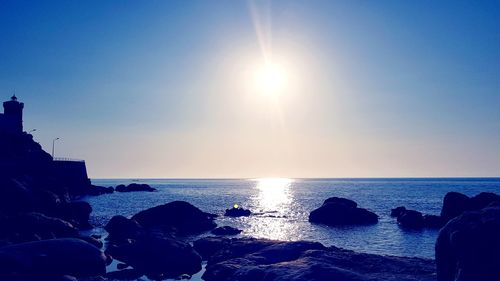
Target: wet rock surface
x,y
260,259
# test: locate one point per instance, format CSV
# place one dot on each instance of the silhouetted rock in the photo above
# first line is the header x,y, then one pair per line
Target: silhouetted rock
x,y
482,200
237,212
76,212
398,211
248,259
340,211
35,226
177,216
153,254
49,259
411,219
341,201
225,230
468,247
95,190
433,221
134,187
454,204
120,228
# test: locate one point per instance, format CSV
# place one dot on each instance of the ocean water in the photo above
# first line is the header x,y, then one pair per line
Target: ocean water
x,y
282,206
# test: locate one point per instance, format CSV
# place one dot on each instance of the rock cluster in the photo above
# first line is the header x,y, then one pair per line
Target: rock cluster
x,y
134,187
148,242
454,204
337,211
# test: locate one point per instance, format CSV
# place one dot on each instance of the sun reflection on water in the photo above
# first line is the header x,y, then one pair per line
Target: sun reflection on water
x,y
274,204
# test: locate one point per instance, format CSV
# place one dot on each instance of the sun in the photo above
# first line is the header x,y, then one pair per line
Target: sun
x,y
271,80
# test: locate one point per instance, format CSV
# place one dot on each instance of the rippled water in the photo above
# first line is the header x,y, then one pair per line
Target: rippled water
x,y
283,206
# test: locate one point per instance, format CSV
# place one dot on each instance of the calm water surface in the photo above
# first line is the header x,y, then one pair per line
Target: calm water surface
x,y
282,207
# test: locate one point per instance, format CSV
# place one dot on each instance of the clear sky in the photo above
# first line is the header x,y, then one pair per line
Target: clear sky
x,y
165,88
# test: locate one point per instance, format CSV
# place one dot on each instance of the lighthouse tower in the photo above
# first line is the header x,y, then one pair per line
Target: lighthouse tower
x,y
13,115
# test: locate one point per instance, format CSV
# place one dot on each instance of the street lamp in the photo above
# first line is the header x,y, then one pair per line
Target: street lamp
x,y
31,131
53,144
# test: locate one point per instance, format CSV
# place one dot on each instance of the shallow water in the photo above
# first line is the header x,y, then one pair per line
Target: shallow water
x,y
283,206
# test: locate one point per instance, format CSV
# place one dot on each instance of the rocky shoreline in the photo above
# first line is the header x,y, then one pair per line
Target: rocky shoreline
x,y
42,219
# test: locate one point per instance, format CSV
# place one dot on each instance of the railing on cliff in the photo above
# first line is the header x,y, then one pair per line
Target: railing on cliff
x,y
65,159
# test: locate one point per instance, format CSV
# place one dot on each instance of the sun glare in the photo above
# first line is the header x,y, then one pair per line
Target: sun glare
x,y
270,80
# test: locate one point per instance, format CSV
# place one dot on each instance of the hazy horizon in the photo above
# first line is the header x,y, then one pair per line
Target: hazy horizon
x,y
171,89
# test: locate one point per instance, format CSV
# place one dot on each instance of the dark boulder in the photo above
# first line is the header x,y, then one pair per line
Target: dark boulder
x,y
237,212
77,212
226,230
49,259
156,255
178,216
398,211
433,221
259,259
344,201
134,187
468,247
95,190
483,199
339,212
120,228
15,197
35,226
454,204
411,219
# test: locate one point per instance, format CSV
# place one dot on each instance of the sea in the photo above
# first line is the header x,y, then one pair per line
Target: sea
x,y
281,207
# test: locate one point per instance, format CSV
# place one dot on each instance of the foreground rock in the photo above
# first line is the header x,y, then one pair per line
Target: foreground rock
x,y
120,229
134,187
157,256
51,259
468,247
340,211
248,259
178,217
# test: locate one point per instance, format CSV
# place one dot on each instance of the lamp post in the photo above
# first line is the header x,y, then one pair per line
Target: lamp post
x,y
53,144
31,131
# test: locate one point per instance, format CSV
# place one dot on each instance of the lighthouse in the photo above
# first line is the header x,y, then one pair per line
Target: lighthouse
x,y
11,121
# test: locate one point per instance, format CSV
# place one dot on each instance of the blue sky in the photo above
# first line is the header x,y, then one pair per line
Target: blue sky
x,y
159,88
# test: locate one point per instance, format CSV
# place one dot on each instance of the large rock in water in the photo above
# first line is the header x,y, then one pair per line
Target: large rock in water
x,y
134,187
249,259
158,256
50,259
340,211
455,203
178,216
468,247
